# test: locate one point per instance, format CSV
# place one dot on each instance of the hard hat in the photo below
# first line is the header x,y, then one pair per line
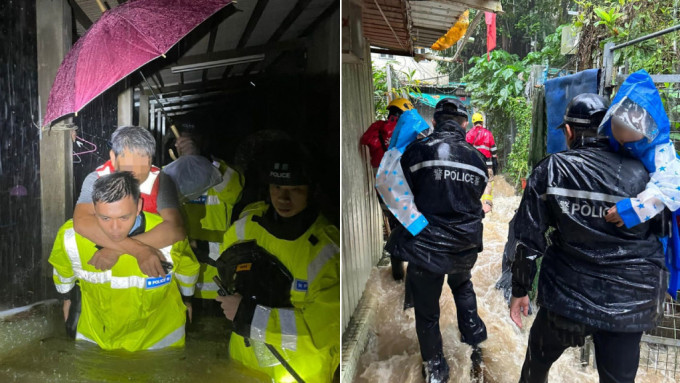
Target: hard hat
x,y
248,269
401,103
477,117
451,106
585,111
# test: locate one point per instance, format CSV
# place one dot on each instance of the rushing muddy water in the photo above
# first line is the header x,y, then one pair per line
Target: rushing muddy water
x,y
392,354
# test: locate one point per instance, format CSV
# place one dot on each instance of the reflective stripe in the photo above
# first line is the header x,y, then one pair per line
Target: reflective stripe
x,y
212,200
482,147
63,279
80,336
214,250
584,194
258,327
64,288
493,149
453,164
187,291
167,252
489,163
72,249
207,286
240,227
321,259
93,276
577,120
170,339
187,279
147,186
226,177
128,282
100,277
288,329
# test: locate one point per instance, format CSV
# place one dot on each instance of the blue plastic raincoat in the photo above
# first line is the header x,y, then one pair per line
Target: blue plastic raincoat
x,y
390,182
659,158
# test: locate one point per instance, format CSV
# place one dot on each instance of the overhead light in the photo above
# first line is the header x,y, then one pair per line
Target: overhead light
x,y
217,63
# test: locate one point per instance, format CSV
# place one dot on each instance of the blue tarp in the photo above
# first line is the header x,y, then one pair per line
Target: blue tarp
x,y
431,100
558,92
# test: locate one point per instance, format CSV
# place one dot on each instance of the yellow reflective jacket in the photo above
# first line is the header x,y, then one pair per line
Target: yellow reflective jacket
x,y
122,308
221,199
307,335
207,219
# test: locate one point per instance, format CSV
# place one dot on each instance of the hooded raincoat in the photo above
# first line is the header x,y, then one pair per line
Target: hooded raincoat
x,y
658,155
593,272
448,177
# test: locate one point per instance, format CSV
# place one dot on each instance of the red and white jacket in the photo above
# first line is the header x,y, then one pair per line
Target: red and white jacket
x,y
148,188
377,138
482,139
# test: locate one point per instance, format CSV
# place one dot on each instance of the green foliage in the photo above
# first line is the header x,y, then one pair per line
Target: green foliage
x,y
379,93
403,83
518,161
619,21
497,88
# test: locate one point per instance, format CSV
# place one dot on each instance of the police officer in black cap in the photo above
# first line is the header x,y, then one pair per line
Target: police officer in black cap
x,y
447,177
595,278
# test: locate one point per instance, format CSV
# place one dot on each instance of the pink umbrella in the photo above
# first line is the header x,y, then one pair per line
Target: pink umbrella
x,y
120,42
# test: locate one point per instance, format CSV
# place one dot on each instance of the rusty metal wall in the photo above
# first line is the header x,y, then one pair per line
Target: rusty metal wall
x,y
361,217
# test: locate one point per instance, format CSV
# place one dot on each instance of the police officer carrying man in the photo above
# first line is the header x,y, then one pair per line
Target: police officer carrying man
x,y
447,177
595,278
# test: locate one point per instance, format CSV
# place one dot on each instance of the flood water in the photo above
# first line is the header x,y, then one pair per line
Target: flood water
x,y
52,357
392,354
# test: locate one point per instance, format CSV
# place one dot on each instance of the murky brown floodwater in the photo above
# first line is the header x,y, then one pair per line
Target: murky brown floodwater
x,y
392,354
34,348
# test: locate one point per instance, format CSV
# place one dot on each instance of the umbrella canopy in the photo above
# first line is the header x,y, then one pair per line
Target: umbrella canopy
x,y
120,42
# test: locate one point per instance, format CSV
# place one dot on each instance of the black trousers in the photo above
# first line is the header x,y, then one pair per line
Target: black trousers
x,y
426,288
617,353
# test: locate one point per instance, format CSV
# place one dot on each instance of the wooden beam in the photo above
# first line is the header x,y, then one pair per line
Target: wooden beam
x,y
234,53
53,24
125,107
80,15
482,5
207,86
394,52
144,111
283,27
328,12
252,23
211,44
289,20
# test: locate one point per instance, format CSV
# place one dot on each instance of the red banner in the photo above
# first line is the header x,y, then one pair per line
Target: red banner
x,y
490,19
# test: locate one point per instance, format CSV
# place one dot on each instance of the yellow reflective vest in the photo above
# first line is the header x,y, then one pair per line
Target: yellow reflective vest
x,y
122,308
207,219
307,335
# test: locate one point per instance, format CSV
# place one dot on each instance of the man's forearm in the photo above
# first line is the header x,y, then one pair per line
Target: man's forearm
x,y
86,225
163,235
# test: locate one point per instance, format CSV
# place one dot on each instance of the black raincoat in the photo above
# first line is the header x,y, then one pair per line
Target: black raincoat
x,y
593,272
447,177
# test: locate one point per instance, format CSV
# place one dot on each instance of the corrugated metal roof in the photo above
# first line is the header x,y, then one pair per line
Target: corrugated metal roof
x,y
414,23
385,24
